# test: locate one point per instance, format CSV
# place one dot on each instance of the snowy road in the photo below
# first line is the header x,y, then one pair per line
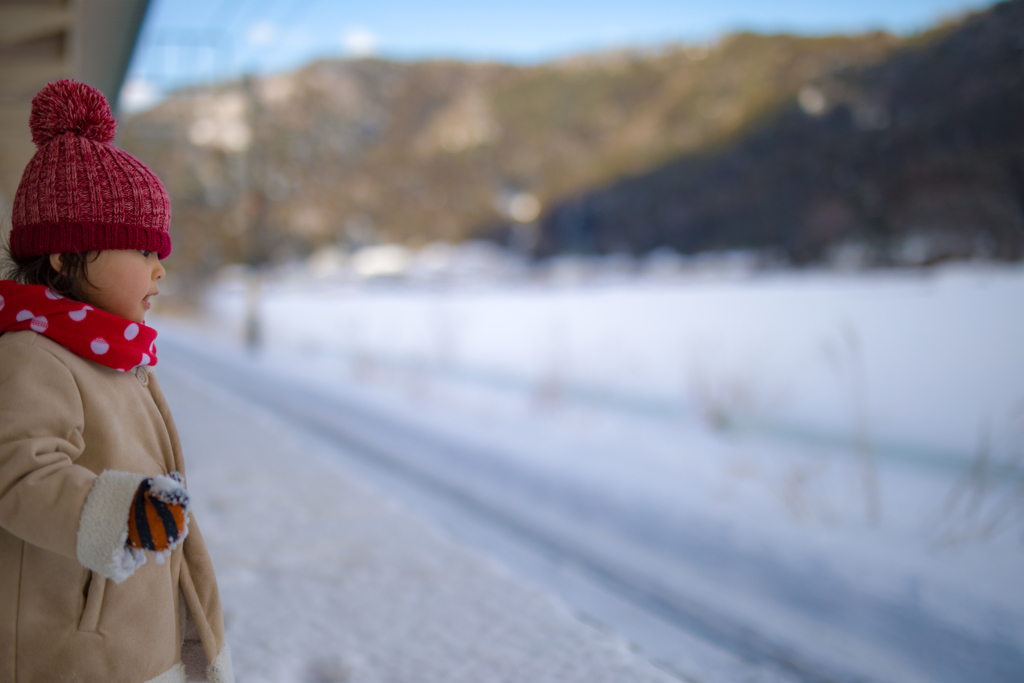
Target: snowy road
x,y
687,592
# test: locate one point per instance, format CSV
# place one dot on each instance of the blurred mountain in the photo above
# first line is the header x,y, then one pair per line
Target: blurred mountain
x,y
786,141
915,159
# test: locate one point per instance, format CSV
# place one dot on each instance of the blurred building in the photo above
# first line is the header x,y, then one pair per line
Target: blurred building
x,y
47,40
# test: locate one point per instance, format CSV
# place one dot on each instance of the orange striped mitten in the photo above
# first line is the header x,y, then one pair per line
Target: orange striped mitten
x,y
158,519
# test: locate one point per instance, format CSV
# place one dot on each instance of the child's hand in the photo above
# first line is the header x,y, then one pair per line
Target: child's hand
x,y
158,520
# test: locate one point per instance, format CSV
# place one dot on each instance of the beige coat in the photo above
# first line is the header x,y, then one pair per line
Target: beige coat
x,y
76,438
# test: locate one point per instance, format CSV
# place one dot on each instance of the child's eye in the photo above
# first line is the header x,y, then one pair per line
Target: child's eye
x,y
145,252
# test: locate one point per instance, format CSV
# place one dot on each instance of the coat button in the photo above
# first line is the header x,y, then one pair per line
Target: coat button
x,y
142,375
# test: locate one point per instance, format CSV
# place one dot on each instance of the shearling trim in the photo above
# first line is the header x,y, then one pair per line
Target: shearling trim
x,y
176,674
103,528
222,670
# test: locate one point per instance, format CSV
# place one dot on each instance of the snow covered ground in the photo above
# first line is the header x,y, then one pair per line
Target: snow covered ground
x,y
870,425
325,581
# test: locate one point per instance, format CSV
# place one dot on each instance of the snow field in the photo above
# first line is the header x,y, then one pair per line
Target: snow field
x,y
865,407
868,424
915,363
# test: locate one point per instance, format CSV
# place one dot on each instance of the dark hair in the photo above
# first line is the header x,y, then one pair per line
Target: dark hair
x,y
36,270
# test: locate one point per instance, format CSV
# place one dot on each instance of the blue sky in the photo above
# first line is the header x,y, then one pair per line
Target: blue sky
x,y
189,41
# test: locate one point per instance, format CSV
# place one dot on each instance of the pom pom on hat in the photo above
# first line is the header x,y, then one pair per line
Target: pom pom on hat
x,y
71,107
79,192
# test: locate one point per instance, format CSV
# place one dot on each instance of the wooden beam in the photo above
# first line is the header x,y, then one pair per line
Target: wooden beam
x,y
20,23
22,79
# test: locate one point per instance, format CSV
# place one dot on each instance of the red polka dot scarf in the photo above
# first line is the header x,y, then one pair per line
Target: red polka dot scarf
x,y
93,334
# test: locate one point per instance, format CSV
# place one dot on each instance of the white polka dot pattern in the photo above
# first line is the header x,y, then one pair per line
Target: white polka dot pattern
x,y
79,316
92,333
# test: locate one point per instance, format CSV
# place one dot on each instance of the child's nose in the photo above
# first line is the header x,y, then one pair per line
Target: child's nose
x,y
159,272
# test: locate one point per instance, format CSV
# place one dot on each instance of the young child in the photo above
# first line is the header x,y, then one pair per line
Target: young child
x,y
91,470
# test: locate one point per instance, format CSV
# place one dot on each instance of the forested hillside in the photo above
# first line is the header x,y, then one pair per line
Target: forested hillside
x,y
912,160
766,141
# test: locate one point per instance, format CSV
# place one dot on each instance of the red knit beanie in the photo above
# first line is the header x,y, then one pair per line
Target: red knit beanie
x,y
80,193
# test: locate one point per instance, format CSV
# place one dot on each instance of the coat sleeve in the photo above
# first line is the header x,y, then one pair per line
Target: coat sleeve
x,y
45,498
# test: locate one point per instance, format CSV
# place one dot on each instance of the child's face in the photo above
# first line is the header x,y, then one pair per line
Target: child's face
x,y
122,281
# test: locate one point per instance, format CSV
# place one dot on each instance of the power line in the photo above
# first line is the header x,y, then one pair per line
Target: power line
x,y
180,56
250,8
190,43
